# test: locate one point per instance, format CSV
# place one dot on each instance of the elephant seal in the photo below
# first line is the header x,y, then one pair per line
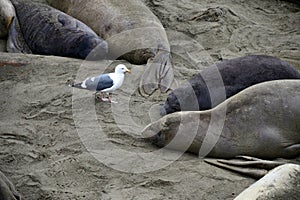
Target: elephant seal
x,y
280,183
133,33
48,31
7,189
263,115
7,12
235,75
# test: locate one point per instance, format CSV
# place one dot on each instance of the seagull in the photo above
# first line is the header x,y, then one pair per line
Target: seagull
x,y
105,83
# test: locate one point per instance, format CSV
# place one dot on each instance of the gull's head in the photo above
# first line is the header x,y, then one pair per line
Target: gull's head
x,y
121,69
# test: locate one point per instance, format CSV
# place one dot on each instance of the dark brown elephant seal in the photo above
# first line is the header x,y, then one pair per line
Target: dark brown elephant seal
x,y
200,92
41,29
261,121
133,33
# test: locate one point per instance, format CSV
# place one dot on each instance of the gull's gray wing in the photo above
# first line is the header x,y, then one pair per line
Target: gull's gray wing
x,y
99,83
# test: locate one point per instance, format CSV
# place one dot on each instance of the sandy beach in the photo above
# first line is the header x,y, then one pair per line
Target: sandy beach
x,y
51,135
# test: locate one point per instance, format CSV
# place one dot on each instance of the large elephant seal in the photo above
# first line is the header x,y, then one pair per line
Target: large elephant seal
x,y
235,74
261,121
48,31
280,183
7,12
133,33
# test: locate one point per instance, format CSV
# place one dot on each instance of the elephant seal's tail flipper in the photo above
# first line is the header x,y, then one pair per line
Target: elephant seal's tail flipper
x,y
158,74
166,73
246,165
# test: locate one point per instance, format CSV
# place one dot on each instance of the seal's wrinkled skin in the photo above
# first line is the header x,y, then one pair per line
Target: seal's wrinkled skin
x,y
133,33
236,74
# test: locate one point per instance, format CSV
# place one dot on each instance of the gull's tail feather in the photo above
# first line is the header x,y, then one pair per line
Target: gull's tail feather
x,y
76,85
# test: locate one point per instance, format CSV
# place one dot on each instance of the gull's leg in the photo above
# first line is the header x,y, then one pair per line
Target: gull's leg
x,y
110,98
103,98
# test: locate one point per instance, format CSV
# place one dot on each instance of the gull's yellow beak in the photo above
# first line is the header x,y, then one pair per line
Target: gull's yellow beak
x,y
128,70
9,21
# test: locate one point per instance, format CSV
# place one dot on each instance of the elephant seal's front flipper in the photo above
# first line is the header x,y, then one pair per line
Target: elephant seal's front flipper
x,y
16,42
246,165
